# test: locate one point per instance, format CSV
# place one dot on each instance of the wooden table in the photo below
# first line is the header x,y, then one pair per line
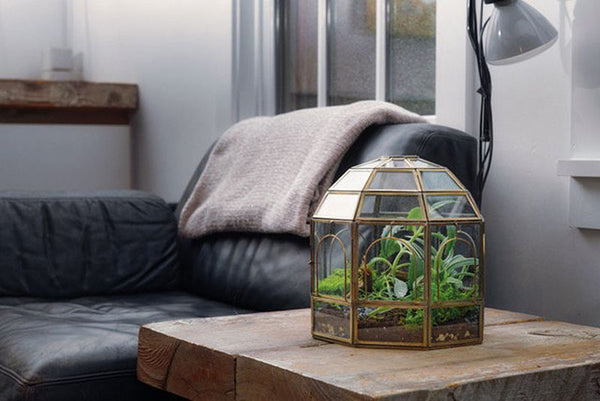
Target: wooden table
x,y
272,356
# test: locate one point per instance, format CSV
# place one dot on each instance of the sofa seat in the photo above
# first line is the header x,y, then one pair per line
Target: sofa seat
x,y
51,350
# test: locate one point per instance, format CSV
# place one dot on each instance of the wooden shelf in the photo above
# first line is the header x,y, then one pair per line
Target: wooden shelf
x,y
66,102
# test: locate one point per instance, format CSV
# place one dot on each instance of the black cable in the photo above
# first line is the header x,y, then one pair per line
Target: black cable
x,y
475,31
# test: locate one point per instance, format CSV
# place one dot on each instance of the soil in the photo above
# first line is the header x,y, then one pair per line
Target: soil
x,y
388,329
387,319
400,334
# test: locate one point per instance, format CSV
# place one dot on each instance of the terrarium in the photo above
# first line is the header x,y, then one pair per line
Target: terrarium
x,y
397,258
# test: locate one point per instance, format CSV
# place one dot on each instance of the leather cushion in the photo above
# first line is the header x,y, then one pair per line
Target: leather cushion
x,y
255,271
270,272
85,348
60,245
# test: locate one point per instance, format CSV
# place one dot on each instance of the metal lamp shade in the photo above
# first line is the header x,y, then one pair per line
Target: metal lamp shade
x,y
516,31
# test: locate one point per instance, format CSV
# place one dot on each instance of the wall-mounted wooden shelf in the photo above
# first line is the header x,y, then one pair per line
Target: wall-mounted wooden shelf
x,y
66,102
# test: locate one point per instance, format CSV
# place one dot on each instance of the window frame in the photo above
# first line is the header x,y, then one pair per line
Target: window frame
x,y
455,64
382,57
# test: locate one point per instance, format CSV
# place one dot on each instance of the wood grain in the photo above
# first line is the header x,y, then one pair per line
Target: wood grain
x,y
185,369
273,356
192,356
525,361
24,101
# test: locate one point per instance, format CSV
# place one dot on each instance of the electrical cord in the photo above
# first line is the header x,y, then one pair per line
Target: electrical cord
x,y
475,28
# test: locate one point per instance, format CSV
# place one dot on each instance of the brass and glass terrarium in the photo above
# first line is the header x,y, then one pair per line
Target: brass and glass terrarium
x,y
397,258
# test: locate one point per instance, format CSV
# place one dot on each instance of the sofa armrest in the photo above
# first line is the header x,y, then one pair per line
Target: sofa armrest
x,y
58,245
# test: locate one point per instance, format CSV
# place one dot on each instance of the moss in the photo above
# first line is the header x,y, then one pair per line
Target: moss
x,y
334,283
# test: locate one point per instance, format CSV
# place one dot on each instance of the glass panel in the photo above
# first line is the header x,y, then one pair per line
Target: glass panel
x,y
449,206
297,55
393,207
455,324
353,180
391,263
420,163
390,325
332,319
351,58
455,259
338,206
411,55
393,180
332,258
396,164
438,180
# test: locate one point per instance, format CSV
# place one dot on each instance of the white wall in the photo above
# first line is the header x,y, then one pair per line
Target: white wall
x,y
52,157
64,157
179,53
536,262
27,27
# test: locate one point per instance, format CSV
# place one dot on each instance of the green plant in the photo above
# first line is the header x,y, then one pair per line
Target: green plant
x,y
396,273
334,284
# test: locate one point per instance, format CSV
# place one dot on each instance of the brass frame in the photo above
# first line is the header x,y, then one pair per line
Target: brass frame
x,y
427,303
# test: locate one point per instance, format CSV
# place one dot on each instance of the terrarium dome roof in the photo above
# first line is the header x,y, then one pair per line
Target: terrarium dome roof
x,y
395,188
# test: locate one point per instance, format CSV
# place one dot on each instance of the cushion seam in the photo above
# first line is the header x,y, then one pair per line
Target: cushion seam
x,y
12,375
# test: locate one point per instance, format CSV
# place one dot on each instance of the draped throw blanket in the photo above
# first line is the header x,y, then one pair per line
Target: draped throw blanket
x,y
267,174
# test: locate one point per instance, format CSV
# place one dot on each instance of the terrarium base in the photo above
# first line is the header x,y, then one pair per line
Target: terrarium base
x,y
333,325
392,345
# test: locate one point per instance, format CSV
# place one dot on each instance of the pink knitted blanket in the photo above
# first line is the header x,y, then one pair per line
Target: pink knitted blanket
x,y
267,174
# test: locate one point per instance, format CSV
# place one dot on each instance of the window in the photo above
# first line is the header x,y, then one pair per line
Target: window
x,y
296,55
373,49
350,51
411,55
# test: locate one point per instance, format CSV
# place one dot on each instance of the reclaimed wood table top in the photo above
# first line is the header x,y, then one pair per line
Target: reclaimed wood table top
x,y
272,356
66,102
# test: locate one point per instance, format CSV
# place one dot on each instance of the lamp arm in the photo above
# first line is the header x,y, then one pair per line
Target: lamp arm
x,y
475,30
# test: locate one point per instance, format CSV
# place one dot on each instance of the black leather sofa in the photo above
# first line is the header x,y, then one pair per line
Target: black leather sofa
x,y
79,274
